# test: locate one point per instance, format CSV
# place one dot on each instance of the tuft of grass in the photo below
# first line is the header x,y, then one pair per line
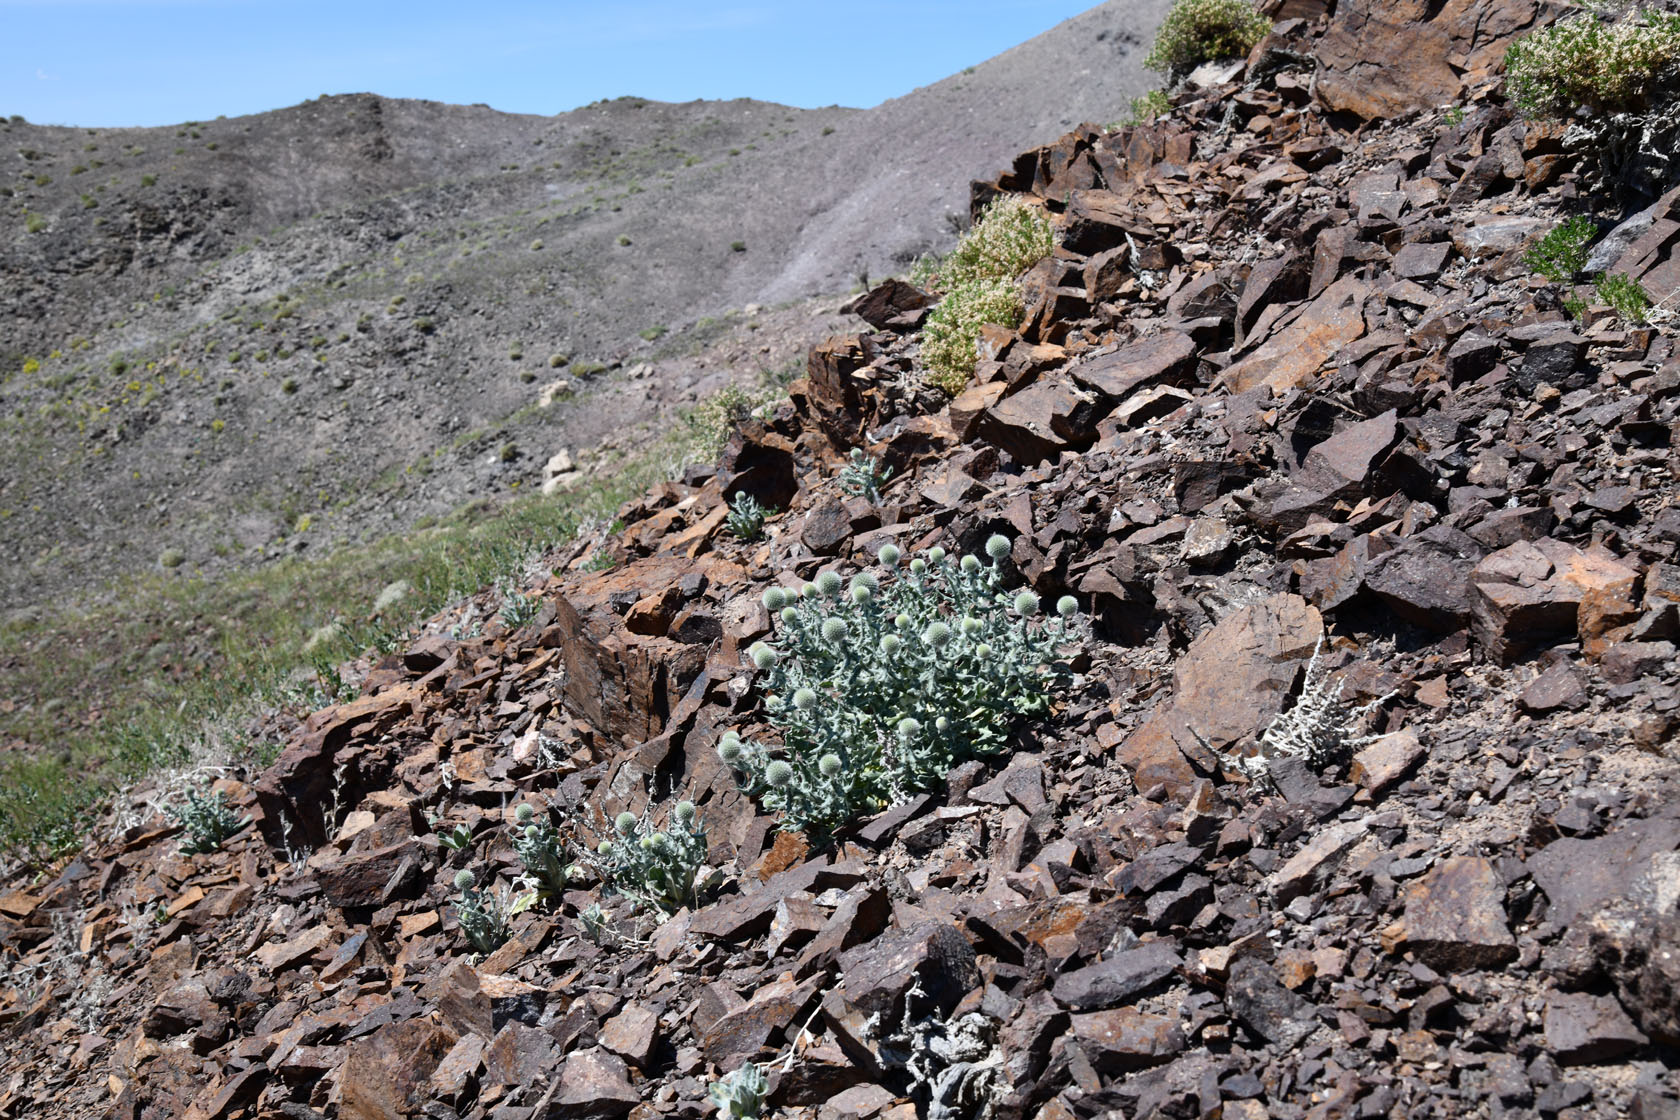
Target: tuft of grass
x,y
1562,253
1585,62
1149,108
1198,31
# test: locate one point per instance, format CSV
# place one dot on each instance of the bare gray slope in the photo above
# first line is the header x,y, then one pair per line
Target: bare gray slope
x,y
899,169
339,314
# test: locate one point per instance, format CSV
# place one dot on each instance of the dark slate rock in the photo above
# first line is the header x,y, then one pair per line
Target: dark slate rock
x,y
1111,982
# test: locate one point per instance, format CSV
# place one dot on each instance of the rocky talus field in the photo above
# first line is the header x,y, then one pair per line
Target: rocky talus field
x,y
1318,457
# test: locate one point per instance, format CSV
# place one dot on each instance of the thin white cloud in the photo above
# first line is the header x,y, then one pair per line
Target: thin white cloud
x,y
43,76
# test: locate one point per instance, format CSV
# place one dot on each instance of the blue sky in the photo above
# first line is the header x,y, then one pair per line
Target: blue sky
x,y
152,62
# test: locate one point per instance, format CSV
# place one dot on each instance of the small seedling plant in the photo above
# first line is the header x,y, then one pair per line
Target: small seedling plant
x,y
740,1095
206,819
879,687
653,867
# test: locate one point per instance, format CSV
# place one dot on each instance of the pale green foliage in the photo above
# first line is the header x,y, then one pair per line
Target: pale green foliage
x,y
746,516
652,866
484,916
740,1095
1149,108
1198,31
518,608
540,852
952,330
206,819
1624,296
456,839
1011,236
1584,61
1563,252
862,476
879,687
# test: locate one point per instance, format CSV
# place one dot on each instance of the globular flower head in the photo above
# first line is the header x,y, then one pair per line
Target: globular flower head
x,y
774,599
970,564
626,823
909,728
997,547
828,584
763,656
465,880
983,651
861,595
970,625
942,725
604,847
789,615
804,699
888,556
903,621
834,630
532,832
808,591
1026,604
684,812
1067,606
936,555
867,582
829,765
524,814
660,842
937,634
891,644
729,748
857,454
918,566
778,774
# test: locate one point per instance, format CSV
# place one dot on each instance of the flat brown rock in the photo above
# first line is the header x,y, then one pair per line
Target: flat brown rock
x,y
1295,355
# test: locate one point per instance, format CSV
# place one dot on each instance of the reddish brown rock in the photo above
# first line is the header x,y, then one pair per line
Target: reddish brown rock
x,y
1125,1039
1454,918
1296,354
387,1074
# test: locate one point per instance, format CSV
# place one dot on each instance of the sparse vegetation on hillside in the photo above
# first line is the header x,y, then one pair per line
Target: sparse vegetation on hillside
x,y
1198,31
1563,252
1586,62
953,329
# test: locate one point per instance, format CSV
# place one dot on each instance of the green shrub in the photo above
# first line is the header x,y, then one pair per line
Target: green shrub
x,y
737,246
1624,296
1011,236
34,223
206,819
1584,61
953,328
1198,31
1563,252
880,687
1149,108
651,866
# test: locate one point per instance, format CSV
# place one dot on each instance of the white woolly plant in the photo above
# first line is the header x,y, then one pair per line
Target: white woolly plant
x,y
653,866
740,1095
1320,728
882,684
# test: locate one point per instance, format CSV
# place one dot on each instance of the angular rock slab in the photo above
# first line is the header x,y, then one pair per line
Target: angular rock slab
x,y
1455,918
1230,683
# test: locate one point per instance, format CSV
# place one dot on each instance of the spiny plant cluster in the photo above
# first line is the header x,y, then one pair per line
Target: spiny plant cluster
x,y
979,282
541,852
746,516
1198,31
881,685
484,916
1562,253
207,820
862,476
652,866
1585,62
